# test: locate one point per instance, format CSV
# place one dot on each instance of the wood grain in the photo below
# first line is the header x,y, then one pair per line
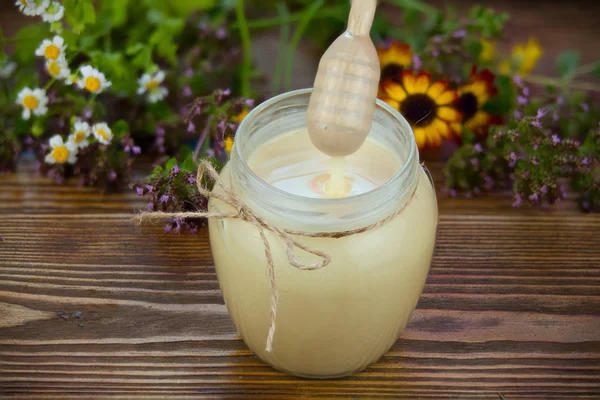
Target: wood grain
x,y
92,306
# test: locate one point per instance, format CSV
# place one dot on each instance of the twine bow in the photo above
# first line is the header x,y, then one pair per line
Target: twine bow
x,y
227,195
230,197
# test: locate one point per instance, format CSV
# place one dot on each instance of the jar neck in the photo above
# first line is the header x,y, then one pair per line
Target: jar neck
x,y
287,112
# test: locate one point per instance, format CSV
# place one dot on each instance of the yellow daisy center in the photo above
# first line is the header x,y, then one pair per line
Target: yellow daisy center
x,y
54,68
102,133
60,154
79,136
52,52
152,85
31,102
92,83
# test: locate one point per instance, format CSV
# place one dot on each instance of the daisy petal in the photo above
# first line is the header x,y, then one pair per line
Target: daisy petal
x,y
422,83
394,91
449,96
442,128
420,137
391,102
437,89
408,79
449,114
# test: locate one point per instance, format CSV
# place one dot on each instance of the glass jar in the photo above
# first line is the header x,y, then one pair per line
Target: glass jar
x,y
339,319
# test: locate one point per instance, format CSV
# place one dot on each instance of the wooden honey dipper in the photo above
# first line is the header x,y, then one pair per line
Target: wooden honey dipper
x,y
341,106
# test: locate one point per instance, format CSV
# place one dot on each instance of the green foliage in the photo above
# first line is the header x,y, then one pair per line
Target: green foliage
x,y
28,40
567,63
79,13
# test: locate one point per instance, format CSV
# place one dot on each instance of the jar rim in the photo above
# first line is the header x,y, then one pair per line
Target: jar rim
x,y
243,163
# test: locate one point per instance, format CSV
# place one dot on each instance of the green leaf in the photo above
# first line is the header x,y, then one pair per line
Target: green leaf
x,y
596,70
28,39
567,63
184,152
2,53
502,103
120,128
115,11
189,165
170,164
79,13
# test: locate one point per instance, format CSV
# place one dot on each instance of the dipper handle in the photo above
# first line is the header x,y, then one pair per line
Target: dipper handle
x,y
341,106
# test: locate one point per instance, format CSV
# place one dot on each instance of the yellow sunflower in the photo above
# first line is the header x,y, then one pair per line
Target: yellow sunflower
x,y
524,58
427,105
394,58
472,96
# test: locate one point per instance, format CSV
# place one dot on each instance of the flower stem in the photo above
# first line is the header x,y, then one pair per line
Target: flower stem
x,y
293,17
560,83
302,25
202,137
246,47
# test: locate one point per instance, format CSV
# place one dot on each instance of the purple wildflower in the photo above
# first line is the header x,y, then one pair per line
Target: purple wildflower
x,y
584,204
474,162
189,72
522,100
187,91
517,80
226,92
168,227
191,180
160,140
175,169
437,39
585,107
517,202
417,62
164,198
150,188
139,190
512,156
160,131
222,126
489,182
555,116
537,124
249,102
535,147
435,52
210,152
87,114
535,162
555,139
518,114
540,113
544,189
194,230
452,193
136,150
112,175
585,161
1,239
191,127
459,33
221,33
534,197
560,101
525,91
478,148
150,206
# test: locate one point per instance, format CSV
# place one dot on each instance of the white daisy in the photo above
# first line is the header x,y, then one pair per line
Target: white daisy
x,y
33,101
61,152
92,80
7,68
81,131
54,12
151,85
32,7
52,49
102,132
71,79
58,69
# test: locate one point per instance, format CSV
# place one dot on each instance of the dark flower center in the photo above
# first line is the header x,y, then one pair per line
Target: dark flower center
x,y
393,72
467,104
418,109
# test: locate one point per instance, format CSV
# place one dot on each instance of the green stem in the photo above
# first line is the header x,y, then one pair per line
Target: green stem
x,y
293,17
246,47
587,68
302,25
560,83
284,37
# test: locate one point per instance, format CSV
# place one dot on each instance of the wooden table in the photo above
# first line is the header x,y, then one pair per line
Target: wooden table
x,y
93,307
